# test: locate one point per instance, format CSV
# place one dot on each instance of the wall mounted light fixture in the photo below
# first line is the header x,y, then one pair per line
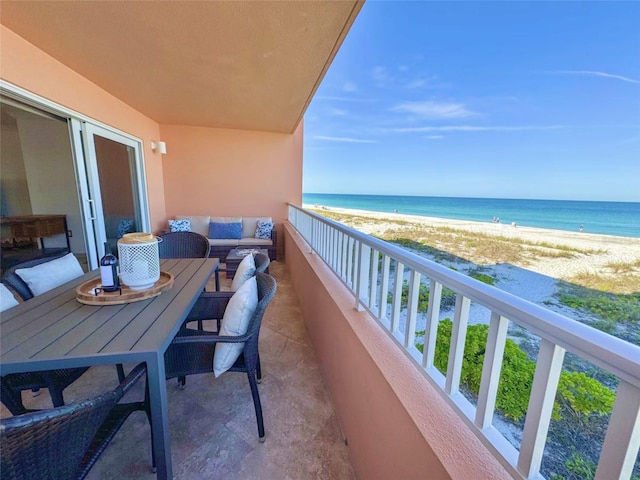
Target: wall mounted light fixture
x,y
159,147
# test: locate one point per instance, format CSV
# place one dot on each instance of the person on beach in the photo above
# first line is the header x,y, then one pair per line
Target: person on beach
x,y
581,227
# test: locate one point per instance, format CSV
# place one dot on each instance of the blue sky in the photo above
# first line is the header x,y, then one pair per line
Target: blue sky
x,y
506,99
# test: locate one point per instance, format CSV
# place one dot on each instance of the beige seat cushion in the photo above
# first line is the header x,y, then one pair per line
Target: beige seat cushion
x,y
216,242
255,241
199,223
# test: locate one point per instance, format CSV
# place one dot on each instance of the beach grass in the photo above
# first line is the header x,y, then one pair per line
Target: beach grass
x,y
454,245
445,242
614,277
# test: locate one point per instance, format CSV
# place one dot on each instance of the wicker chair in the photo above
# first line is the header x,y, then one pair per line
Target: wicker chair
x,y
183,245
65,442
262,262
54,380
192,351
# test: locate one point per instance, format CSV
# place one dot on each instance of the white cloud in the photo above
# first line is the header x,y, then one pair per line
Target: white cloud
x,y
472,128
433,110
416,83
343,139
435,137
381,77
597,74
350,87
337,112
403,68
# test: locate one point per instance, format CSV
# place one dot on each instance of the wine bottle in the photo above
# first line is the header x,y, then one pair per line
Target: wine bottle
x,y
109,270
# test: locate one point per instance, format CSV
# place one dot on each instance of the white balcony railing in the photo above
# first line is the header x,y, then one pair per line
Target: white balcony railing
x,y
363,264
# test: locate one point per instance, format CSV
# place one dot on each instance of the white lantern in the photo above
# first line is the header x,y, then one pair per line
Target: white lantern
x,y
139,260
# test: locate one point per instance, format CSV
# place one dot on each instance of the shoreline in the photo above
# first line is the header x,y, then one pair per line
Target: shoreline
x,y
595,251
483,227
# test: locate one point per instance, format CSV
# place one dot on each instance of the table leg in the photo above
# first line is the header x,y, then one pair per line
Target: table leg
x,y
159,416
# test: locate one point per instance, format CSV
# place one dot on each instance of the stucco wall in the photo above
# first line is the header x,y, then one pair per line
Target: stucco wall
x,y
28,67
220,172
205,171
396,423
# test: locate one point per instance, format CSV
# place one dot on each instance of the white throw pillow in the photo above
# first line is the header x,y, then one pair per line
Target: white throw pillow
x,y
7,300
241,307
49,275
246,270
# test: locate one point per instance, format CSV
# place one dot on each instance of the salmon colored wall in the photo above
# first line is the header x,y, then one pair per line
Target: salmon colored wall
x,y
396,423
220,172
28,67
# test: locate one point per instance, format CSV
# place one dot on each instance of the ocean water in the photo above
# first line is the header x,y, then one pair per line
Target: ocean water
x,y
608,218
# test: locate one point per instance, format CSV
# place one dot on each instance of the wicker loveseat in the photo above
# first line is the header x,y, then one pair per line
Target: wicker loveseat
x,y
220,247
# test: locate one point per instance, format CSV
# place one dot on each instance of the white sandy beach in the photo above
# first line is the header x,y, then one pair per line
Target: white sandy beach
x,y
613,249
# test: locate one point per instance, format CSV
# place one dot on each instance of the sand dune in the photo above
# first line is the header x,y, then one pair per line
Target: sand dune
x,y
600,250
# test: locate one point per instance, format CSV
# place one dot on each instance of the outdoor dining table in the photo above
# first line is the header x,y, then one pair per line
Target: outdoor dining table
x,y
54,330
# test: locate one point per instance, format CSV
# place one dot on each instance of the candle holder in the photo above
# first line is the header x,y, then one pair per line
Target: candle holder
x,y
139,260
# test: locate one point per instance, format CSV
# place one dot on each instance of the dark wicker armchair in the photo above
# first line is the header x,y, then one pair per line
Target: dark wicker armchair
x,y
192,351
183,245
65,442
54,380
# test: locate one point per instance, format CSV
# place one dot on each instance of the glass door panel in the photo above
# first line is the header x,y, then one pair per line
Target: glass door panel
x,y
116,187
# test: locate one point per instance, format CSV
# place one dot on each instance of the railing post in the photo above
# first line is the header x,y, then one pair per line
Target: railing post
x,y
496,340
543,394
351,254
412,309
622,441
345,263
431,328
373,278
384,287
456,349
362,276
397,298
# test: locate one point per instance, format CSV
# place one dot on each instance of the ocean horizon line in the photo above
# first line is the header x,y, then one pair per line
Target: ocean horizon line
x,y
621,219
473,198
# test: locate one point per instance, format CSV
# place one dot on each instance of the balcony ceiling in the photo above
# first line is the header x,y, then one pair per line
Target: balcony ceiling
x,y
251,65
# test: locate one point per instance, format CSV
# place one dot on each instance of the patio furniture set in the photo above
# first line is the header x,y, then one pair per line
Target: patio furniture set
x,y
50,339
227,233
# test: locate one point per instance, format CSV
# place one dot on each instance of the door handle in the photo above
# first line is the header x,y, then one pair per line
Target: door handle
x,y
92,215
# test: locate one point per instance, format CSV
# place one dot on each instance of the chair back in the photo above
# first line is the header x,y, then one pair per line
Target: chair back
x,y
266,291
183,245
12,279
262,262
55,443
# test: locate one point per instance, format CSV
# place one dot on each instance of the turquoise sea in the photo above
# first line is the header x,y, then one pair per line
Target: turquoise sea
x,y
609,218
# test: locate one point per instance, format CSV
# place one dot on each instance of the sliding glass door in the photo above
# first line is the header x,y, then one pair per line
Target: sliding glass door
x,y
55,161
114,196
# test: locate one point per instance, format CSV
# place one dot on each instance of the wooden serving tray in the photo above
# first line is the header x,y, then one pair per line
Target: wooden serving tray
x,y
85,293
